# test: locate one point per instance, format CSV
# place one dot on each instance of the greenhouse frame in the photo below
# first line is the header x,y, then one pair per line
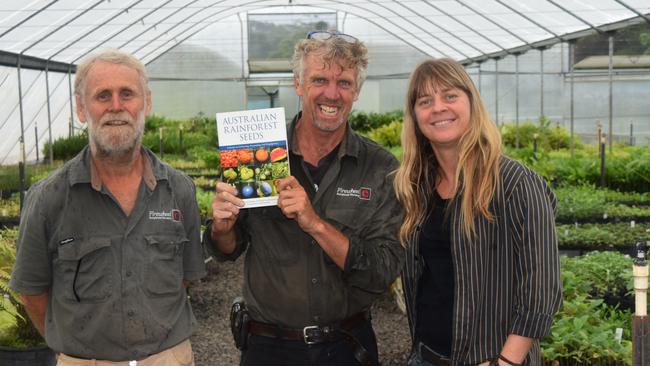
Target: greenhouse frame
x,y
200,58
567,84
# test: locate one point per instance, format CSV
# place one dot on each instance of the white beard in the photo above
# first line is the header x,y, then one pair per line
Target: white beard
x,y
119,142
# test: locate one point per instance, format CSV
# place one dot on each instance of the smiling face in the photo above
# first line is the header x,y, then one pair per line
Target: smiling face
x,y
443,116
114,103
328,92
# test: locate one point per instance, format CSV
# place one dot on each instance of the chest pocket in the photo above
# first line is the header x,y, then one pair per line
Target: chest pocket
x,y
164,271
84,268
348,220
277,238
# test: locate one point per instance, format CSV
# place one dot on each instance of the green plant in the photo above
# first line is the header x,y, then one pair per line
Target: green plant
x,y
364,122
584,330
584,203
387,135
601,275
584,333
10,207
627,169
208,155
204,200
16,330
65,148
541,132
9,175
601,236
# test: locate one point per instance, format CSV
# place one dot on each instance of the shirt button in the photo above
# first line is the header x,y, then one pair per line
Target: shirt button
x,y
317,318
314,280
128,273
130,313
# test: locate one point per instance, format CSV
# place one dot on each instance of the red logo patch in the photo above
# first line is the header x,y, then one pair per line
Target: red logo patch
x,y
176,215
365,193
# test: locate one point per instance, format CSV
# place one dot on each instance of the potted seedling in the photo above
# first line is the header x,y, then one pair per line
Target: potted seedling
x,y
20,342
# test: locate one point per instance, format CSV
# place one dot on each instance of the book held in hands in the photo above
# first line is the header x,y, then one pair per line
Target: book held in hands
x,y
253,153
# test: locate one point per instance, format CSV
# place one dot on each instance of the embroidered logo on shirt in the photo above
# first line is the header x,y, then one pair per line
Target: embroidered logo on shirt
x,y
174,215
362,193
66,241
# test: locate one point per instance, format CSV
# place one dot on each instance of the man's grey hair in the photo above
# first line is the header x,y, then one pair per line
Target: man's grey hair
x,y
113,56
336,50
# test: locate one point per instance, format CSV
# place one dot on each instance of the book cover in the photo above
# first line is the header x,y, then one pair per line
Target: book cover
x,y
253,153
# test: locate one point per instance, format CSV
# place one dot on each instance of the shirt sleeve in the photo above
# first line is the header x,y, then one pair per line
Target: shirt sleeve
x,y
242,239
375,256
538,286
31,274
193,262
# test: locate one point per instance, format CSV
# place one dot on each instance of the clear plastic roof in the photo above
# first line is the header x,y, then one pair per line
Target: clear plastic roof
x,y
466,30
203,45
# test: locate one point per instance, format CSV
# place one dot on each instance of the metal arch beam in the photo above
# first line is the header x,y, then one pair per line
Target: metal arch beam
x,y
61,26
568,37
496,24
174,26
123,10
464,25
30,62
27,18
386,30
141,19
306,5
647,19
529,19
432,35
162,20
13,110
575,16
258,7
422,29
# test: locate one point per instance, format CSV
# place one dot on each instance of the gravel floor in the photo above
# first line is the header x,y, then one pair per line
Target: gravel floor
x,y
212,341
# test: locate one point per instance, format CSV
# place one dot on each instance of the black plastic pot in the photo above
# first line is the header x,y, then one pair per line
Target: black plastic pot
x,y
35,356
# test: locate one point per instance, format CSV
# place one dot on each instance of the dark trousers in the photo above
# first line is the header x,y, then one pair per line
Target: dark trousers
x,y
266,351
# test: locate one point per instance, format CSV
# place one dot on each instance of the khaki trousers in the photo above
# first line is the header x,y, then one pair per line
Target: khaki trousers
x,y
179,355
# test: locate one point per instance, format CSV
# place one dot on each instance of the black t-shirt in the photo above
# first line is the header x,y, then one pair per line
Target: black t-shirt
x,y
316,173
435,296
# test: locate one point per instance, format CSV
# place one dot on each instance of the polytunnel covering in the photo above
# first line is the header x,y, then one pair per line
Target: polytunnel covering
x,y
42,40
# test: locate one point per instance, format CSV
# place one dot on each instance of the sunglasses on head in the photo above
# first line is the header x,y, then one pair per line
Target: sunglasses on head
x,y
323,35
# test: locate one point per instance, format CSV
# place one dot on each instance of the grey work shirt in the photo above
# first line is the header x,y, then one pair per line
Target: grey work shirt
x,y
115,282
289,279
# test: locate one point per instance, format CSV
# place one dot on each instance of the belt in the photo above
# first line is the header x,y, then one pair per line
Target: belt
x,y
433,357
311,334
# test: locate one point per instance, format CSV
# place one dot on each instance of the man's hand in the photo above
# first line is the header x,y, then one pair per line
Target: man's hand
x,y
225,210
295,204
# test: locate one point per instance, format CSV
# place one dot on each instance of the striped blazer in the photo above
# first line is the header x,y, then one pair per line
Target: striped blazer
x,y
507,280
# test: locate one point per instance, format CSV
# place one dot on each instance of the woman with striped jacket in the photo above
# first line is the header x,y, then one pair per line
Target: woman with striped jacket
x,y
482,277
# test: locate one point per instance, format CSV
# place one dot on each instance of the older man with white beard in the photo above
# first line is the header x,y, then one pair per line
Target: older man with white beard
x,y
110,240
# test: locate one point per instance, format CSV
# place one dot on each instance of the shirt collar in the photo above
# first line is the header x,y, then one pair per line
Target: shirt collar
x,y
82,170
349,146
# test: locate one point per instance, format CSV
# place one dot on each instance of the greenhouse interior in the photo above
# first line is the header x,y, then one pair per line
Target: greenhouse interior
x,y
566,82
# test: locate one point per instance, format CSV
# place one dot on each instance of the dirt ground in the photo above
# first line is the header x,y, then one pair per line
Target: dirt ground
x,y
212,341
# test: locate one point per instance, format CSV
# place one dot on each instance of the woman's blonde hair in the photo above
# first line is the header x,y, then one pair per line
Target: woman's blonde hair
x,y
477,173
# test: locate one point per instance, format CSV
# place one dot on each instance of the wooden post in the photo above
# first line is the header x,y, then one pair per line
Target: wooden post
x,y
603,141
160,142
21,173
640,356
